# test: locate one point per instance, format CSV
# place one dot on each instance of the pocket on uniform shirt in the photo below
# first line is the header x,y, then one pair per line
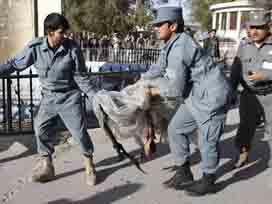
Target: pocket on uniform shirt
x,y
65,70
246,61
42,70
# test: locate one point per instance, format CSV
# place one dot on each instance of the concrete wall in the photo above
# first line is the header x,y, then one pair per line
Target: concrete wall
x,y
17,23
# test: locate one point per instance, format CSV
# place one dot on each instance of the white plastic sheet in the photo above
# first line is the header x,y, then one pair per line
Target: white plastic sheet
x,y
129,111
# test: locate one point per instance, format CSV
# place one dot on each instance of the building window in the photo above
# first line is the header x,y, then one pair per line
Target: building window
x,y
233,20
224,21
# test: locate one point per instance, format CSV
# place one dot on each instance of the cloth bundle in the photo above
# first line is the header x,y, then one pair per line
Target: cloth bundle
x,y
130,112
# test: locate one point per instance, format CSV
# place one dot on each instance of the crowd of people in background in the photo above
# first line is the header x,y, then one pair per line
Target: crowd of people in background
x,y
134,47
137,40
140,40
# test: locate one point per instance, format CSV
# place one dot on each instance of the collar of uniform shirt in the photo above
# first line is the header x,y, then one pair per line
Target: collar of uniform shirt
x,y
170,41
60,48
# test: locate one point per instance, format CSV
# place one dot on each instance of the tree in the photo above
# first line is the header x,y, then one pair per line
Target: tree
x,y
140,17
104,16
201,12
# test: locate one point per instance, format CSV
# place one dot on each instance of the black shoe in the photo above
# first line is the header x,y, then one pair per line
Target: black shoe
x,y
182,178
206,185
171,168
120,155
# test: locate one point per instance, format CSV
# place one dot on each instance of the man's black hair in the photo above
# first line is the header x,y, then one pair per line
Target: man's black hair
x,y
55,21
180,25
212,30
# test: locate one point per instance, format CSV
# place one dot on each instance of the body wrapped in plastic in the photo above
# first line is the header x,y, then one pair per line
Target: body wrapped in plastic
x,y
130,111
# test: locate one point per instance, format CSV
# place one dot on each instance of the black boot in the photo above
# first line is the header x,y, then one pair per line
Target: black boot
x,y
205,185
120,155
182,178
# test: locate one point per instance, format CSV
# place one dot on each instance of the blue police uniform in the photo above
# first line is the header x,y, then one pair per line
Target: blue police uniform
x,y
63,76
186,73
203,91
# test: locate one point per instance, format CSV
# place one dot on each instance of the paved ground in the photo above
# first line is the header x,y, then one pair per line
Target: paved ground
x,y
122,183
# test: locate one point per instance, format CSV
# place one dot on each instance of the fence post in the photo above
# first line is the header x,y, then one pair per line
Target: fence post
x,y
4,105
9,105
88,54
31,99
19,105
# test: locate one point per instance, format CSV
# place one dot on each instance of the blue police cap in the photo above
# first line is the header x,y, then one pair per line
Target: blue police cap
x,y
164,14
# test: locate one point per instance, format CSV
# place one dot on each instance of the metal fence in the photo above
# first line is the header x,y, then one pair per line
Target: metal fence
x,y
130,56
20,93
16,111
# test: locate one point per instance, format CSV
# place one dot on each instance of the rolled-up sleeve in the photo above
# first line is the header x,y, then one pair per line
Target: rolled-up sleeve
x,y
266,68
85,82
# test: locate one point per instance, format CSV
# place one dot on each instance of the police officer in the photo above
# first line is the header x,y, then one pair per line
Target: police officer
x,y
192,77
211,44
252,68
62,74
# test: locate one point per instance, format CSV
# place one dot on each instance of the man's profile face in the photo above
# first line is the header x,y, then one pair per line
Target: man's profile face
x,y
258,33
165,30
56,37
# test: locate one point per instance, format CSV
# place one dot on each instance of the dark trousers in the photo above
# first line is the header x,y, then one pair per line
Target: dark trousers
x,y
250,112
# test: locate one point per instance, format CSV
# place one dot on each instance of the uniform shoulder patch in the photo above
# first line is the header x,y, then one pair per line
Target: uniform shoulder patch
x,y
36,41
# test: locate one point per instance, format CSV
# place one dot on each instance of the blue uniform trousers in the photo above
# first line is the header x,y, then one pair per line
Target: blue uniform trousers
x,y
179,130
69,108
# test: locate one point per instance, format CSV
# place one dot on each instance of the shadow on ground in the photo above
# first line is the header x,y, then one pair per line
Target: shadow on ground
x,y
108,196
9,144
258,159
163,149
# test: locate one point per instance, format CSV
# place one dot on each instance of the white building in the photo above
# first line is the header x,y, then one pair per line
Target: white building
x,y
229,20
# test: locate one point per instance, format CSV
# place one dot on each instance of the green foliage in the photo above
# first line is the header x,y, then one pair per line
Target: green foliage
x,y
104,16
201,12
140,16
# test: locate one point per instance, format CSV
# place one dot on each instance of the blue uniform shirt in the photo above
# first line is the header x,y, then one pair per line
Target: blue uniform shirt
x,y
61,70
184,71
